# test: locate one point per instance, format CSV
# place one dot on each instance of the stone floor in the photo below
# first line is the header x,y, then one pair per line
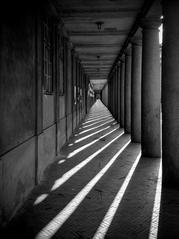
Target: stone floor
x,y
99,187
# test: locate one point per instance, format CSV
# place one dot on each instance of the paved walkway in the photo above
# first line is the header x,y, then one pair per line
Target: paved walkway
x,y
99,187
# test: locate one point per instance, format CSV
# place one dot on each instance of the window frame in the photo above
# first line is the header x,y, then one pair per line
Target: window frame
x,y
47,56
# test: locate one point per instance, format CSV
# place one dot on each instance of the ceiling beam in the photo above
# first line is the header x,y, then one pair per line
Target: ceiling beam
x,y
105,54
99,33
99,82
102,76
97,78
89,45
96,71
98,50
96,63
97,66
86,14
94,57
93,61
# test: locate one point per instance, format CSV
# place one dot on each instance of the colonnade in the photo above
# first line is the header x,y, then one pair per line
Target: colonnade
x,y
147,99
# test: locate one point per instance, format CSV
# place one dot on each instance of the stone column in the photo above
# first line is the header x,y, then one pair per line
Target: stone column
x,y
118,93
113,79
170,92
122,75
150,138
112,95
127,95
109,95
136,90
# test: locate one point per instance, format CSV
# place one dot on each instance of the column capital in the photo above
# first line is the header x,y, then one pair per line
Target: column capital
x,y
119,63
115,68
122,58
128,51
150,23
136,40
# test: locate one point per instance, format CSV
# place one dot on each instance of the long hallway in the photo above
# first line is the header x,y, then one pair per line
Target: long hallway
x,y
98,187
89,125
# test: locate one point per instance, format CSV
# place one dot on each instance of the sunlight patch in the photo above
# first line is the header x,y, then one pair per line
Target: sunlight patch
x,y
156,209
75,169
40,198
105,224
53,226
98,126
89,144
89,135
61,161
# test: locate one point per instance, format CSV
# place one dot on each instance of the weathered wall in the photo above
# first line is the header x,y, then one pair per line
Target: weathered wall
x,y
46,150
18,177
17,84
17,104
48,111
34,125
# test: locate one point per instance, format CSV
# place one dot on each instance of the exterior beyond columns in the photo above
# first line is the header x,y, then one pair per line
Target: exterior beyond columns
x,y
127,94
170,92
136,91
122,93
150,140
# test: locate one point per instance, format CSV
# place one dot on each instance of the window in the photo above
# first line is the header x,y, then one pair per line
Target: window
x,y
73,77
65,62
47,57
61,63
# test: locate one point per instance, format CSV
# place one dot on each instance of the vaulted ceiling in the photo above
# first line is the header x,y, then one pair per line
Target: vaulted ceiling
x,y
98,30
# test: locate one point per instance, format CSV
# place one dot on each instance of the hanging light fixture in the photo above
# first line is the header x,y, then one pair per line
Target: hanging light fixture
x,y
99,25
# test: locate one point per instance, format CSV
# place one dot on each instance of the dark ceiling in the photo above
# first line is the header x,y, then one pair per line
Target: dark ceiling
x,y
98,29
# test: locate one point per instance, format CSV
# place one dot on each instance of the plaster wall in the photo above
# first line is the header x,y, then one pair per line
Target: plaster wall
x,y
17,84
48,110
17,177
46,150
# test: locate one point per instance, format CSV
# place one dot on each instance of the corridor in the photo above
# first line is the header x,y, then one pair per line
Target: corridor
x,y
98,187
89,119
